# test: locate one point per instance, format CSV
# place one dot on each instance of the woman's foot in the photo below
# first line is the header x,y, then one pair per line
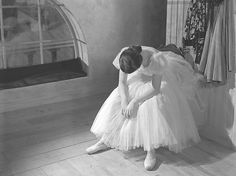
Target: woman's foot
x,y
99,146
150,160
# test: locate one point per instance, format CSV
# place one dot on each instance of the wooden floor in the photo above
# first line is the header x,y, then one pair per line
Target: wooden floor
x,y
50,140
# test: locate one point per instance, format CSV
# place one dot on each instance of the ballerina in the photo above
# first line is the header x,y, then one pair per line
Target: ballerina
x,y
149,108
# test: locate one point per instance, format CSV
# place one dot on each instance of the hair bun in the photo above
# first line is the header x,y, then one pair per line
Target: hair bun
x,y
137,48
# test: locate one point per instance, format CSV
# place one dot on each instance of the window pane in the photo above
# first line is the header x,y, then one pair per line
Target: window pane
x,y
54,26
22,55
19,2
20,24
58,52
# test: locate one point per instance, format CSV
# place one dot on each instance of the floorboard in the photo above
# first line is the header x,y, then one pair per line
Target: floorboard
x,y
50,140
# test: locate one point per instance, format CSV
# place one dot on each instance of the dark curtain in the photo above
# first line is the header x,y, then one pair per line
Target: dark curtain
x,y
199,14
195,26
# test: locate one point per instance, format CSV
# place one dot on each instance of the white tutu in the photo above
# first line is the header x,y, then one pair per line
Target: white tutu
x,y
163,120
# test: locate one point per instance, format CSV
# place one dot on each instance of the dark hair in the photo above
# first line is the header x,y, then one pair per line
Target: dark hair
x,y
131,59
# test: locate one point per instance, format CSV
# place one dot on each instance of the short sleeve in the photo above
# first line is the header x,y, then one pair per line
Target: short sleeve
x,y
158,63
116,60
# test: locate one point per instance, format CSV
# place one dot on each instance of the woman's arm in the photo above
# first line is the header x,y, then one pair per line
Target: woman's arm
x,y
154,90
123,90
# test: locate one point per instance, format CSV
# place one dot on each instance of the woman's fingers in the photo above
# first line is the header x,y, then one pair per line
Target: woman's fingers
x,y
130,110
122,112
128,114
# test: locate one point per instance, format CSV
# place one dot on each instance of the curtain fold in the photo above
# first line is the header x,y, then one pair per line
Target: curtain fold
x,y
207,26
175,21
217,58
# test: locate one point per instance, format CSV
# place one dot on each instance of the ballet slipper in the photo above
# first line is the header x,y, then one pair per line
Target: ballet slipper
x,y
96,148
150,160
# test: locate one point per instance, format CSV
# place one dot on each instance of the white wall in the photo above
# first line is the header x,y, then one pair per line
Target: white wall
x,y
109,25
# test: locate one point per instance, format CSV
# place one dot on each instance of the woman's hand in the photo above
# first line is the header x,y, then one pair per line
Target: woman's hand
x,y
124,105
123,91
131,109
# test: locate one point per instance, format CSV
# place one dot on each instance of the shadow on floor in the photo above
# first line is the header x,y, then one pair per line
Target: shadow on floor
x,y
204,153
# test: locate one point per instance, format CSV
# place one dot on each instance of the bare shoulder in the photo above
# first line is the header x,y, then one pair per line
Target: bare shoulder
x,y
149,49
148,52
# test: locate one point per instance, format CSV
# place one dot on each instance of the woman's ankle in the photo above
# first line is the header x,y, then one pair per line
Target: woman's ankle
x,y
100,142
151,152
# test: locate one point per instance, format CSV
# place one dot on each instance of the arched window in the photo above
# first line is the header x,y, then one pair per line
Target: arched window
x,y
38,32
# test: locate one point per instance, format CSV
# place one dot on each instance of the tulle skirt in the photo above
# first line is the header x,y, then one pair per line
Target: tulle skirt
x,y
163,120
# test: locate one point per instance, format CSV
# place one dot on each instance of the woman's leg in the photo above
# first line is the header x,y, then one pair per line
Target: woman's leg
x,y
150,160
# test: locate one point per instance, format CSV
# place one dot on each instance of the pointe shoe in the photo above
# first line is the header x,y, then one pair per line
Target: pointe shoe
x,y
150,161
96,148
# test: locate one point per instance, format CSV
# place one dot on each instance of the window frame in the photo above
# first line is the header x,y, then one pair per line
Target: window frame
x,y
79,44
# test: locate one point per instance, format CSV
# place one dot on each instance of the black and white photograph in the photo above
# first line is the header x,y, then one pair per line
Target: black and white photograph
x,y
117,87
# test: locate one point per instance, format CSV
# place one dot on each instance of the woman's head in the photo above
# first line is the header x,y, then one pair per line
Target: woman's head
x,y
131,59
